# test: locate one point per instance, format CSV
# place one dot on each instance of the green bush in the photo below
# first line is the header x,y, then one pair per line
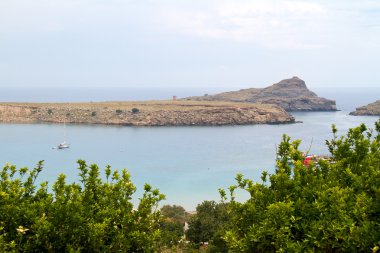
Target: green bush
x,y
50,111
172,224
208,224
135,110
93,114
327,206
118,111
93,216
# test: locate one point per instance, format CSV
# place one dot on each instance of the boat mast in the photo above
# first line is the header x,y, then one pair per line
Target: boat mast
x,y
64,131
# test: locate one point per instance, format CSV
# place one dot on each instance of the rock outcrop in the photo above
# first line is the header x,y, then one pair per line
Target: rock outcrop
x,y
290,94
146,113
372,109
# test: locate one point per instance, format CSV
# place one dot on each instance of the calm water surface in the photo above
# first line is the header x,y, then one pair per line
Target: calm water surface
x,y
188,164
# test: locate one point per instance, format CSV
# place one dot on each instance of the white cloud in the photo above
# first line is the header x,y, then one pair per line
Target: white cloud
x,y
20,18
275,24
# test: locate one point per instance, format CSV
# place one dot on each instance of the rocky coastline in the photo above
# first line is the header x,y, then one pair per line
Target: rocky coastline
x,y
290,94
145,113
372,109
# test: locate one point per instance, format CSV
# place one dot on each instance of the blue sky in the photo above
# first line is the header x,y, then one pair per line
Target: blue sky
x,y
193,43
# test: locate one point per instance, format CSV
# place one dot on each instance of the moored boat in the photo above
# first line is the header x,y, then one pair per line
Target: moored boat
x,y
63,145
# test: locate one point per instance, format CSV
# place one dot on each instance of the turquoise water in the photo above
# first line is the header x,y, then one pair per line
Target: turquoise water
x,y
188,164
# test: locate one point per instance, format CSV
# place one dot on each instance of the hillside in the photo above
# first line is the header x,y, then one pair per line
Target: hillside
x,y
150,113
372,109
290,94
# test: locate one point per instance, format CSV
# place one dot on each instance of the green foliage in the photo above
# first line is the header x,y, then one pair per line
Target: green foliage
x,y
172,224
93,114
135,110
174,213
50,111
207,225
327,206
93,216
118,111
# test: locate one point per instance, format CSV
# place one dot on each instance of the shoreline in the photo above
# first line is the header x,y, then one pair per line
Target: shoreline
x,y
145,113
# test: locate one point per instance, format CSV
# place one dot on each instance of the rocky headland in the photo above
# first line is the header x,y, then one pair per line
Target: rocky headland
x,y
372,109
145,113
289,94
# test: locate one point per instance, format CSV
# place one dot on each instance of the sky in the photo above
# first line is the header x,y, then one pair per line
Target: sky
x,y
188,43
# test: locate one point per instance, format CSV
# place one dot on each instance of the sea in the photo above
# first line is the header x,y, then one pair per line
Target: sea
x,y
187,164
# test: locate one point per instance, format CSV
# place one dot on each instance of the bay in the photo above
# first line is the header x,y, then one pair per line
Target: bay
x,y
188,164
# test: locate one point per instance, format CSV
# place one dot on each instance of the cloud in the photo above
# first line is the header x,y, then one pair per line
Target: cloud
x,y
20,18
274,24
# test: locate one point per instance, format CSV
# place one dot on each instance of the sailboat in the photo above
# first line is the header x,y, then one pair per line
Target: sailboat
x,y
64,144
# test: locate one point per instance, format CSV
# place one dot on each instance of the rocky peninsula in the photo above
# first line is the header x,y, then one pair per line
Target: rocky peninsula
x,y
289,94
146,113
372,109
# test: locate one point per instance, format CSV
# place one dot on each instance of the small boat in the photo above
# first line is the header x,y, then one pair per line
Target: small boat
x,y
307,159
64,144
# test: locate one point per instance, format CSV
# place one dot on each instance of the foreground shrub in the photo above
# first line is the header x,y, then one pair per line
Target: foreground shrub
x,y
93,216
327,206
208,224
172,225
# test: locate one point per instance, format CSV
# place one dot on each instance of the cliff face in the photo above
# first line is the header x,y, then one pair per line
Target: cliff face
x,y
153,113
372,109
290,94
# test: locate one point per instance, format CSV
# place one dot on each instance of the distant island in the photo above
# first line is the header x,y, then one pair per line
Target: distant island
x,y
290,94
146,113
268,105
372,109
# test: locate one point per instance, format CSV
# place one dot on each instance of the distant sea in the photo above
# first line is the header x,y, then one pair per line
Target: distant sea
x,y
347,98
188,164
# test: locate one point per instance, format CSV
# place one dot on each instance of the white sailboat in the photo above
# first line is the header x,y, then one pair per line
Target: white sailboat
x,y
64,144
